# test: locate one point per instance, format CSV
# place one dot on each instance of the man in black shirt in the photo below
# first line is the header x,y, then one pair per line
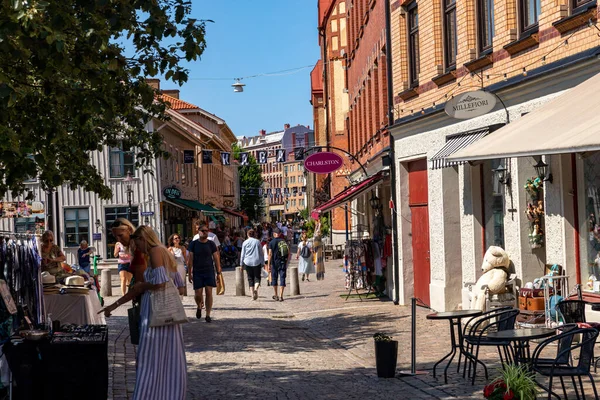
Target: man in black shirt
x,y
279,256
204,259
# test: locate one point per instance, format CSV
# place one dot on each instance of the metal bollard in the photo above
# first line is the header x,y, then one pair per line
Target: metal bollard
x,y
294,281
105,283
240,287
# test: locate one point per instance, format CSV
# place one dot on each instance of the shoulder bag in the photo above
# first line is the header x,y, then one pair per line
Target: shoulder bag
x,y
166,307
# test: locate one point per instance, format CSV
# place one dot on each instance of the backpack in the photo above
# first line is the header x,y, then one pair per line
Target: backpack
x,y
305,252
283,248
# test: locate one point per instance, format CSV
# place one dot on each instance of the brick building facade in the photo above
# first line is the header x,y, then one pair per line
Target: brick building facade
x,y
525,57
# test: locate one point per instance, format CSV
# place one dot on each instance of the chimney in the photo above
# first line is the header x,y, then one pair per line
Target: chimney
x,y
262,132
286,126
172,92
153,82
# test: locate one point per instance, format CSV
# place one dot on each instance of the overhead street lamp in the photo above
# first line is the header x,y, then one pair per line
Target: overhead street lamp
x,y
128,182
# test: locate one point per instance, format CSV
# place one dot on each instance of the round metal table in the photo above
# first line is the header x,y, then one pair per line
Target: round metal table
x,y
455,318
521,338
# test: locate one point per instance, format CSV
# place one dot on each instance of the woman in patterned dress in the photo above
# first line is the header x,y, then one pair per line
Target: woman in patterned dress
x,y
318,252
161,370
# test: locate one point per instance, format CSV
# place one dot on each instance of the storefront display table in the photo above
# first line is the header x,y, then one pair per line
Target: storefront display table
x,y
520,339
78,309
70,365
454,317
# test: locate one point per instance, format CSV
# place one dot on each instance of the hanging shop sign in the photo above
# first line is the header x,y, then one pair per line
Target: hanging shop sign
x,y
172,192
470,104
323,163
188,156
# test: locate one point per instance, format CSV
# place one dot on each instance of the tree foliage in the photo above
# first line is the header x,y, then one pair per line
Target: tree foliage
x,y
72,81
250,177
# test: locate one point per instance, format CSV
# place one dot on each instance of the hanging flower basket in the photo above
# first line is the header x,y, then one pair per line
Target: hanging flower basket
x,y
533,186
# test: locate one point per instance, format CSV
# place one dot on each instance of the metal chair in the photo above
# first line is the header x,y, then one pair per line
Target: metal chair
x,y
571,311
475,336
559,369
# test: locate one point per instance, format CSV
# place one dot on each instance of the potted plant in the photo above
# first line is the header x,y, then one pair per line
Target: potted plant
x,y
386,355
514,383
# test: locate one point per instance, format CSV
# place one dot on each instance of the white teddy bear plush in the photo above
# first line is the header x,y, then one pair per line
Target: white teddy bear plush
x,y
495,268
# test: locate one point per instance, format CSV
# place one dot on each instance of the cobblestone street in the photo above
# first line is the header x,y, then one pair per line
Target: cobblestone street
x,y
317,345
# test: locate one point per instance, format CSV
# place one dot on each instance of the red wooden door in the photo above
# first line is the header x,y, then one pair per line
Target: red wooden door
x,y
418,203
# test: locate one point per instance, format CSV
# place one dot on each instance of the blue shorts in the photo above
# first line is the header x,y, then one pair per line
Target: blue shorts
x,y
204,279
278,272
124,267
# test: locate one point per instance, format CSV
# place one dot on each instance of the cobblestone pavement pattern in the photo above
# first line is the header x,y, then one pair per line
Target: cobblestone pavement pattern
x,y
314,346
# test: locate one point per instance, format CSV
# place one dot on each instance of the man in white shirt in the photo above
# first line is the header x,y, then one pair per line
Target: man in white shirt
x,y
211,235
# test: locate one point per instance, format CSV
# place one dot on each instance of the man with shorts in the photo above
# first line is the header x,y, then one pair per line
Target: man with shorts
x,y
278,261
204,260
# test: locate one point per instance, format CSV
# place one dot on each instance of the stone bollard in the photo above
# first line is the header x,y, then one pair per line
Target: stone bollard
x,y
294,281
105,283
239,282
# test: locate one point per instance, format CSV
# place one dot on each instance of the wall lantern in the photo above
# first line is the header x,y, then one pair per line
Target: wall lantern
x,y
238,87
98,225
541,168
375,203
502,175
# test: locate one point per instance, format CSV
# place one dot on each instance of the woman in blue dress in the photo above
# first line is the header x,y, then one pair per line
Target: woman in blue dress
x,y
161,369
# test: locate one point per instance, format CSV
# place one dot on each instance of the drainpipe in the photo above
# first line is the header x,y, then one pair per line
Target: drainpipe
x,y
324,57
392,153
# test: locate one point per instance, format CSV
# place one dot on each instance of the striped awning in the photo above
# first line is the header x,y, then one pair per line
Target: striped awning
x,y
455,143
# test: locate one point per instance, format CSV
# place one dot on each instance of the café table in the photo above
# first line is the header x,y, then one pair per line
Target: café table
x,y
520,339
454,317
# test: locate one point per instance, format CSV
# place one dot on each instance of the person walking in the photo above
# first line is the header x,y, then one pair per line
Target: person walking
x,y
161,372
279,255
181,256
305,257
319,252
253,259
204,260
123,253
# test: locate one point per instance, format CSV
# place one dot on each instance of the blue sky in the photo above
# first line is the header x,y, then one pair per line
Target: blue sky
x,y
248,38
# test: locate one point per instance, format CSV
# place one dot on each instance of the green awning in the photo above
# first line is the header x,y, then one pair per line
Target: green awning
x,y
217,218
195,205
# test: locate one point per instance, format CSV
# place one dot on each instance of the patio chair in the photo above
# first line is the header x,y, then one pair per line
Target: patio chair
x,y
571,311
475,336
559,369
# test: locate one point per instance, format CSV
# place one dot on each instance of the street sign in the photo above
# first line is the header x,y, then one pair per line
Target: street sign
x,y
188,156
96,236
172,192
147,213
470,104
324,162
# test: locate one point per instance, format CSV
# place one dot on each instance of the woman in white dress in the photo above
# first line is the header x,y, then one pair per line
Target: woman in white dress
x,y
305,257
181,256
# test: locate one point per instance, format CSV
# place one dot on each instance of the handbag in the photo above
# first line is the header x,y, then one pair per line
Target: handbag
x,y
166,307
220,284
133,314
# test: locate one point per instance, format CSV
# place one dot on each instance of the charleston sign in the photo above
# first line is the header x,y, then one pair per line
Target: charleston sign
x,y
323,163
470,104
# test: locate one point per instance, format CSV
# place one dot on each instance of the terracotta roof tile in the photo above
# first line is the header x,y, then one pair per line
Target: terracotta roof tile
x,y
177,104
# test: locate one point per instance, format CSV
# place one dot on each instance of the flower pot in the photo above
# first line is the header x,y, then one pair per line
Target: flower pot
x,y
386,356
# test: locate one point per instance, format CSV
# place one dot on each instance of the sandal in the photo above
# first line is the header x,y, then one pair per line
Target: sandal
x,y
276,298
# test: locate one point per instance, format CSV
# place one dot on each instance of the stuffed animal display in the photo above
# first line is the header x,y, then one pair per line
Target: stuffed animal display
x,y
494,278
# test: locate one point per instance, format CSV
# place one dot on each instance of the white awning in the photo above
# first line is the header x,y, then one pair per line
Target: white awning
x,y
570,123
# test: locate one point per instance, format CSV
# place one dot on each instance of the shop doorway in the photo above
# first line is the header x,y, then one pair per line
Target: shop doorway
x,y
419,210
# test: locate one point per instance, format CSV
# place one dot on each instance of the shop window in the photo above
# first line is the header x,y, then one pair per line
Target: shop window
x,y
413,44
529,14
450,41
590,256
485,17
121,161
110,215
77,226
493,200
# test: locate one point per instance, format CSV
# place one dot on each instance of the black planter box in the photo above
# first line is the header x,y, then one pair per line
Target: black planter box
x,y
386,356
